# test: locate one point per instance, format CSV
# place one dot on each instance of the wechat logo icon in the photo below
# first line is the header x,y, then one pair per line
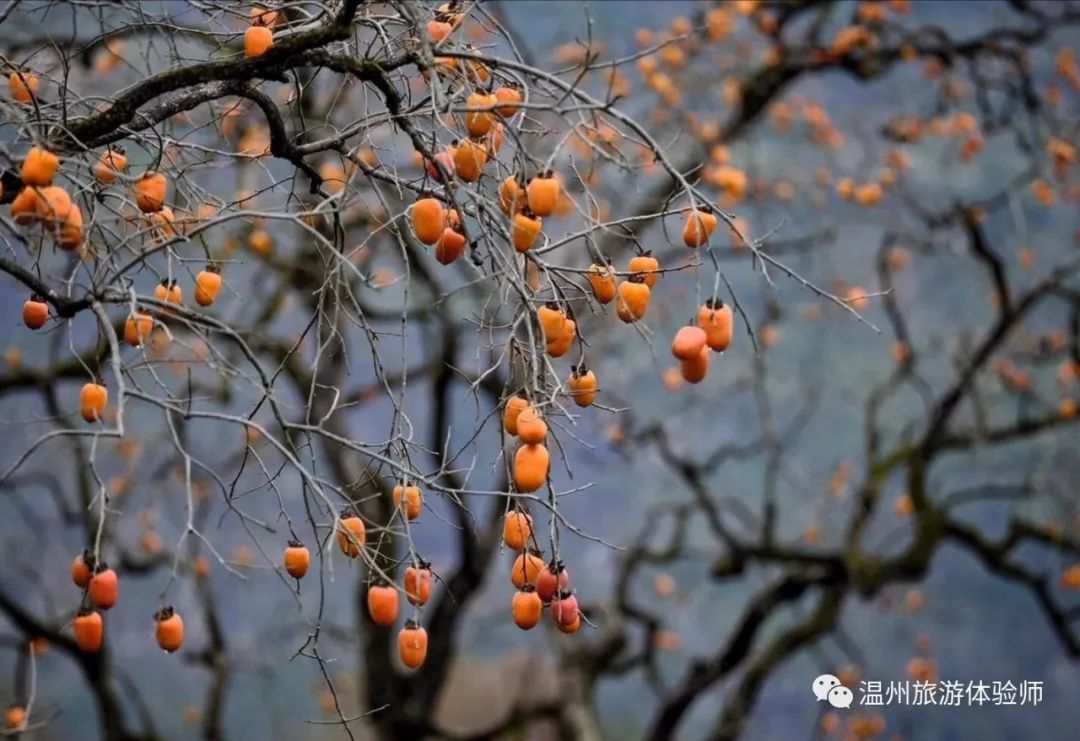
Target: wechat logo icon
x,y
828,688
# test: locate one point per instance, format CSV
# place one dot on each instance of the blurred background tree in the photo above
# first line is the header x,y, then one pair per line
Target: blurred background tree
x,y
311,251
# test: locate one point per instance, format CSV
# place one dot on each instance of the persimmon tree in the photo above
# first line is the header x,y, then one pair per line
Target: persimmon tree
x,y
310,290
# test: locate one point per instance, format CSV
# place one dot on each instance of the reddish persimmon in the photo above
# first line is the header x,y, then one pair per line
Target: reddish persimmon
x,y
111,162
24,208
688,343
418,584
525,230
517,529
531,464
695,369
602,280
551,579
207,285
582,384
543,194
632,301
82,569
716,319
104,587
526,568
428,220
412,645
564,607
408,500
169,629
480,116
39,167
526,608
531,427
89,630
383,604
257,41
23,86
297,559
699,226
92,401
150,191
35,312
137,329
513,408
450,247
509,99
351,534
648,265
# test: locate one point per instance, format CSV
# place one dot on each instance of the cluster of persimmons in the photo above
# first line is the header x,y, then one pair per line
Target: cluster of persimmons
x,y
435,222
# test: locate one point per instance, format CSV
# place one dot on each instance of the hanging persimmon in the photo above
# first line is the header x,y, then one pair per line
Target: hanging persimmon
x,y
531,464
526,568
169,629
444,159
383,604
509,100
412,645
137,328
648,265
559,345
23,86
526,608
450,247
582,384
551,579
569,627
542,193
525,229
69,232
39,167
89,630
439,30
260,16
552,320
632,301
24,208
699,227
688,342
15,718
104,587
297,559
512,409
418,583
92,401
428,219
207,285
35,312
694,369
531,427
351,534
82,569
53,206
469,159
112,162
150,191
260,242
169,292
511,197
517,529
408,500
564,607
718,322
602,280
257,41
480,116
